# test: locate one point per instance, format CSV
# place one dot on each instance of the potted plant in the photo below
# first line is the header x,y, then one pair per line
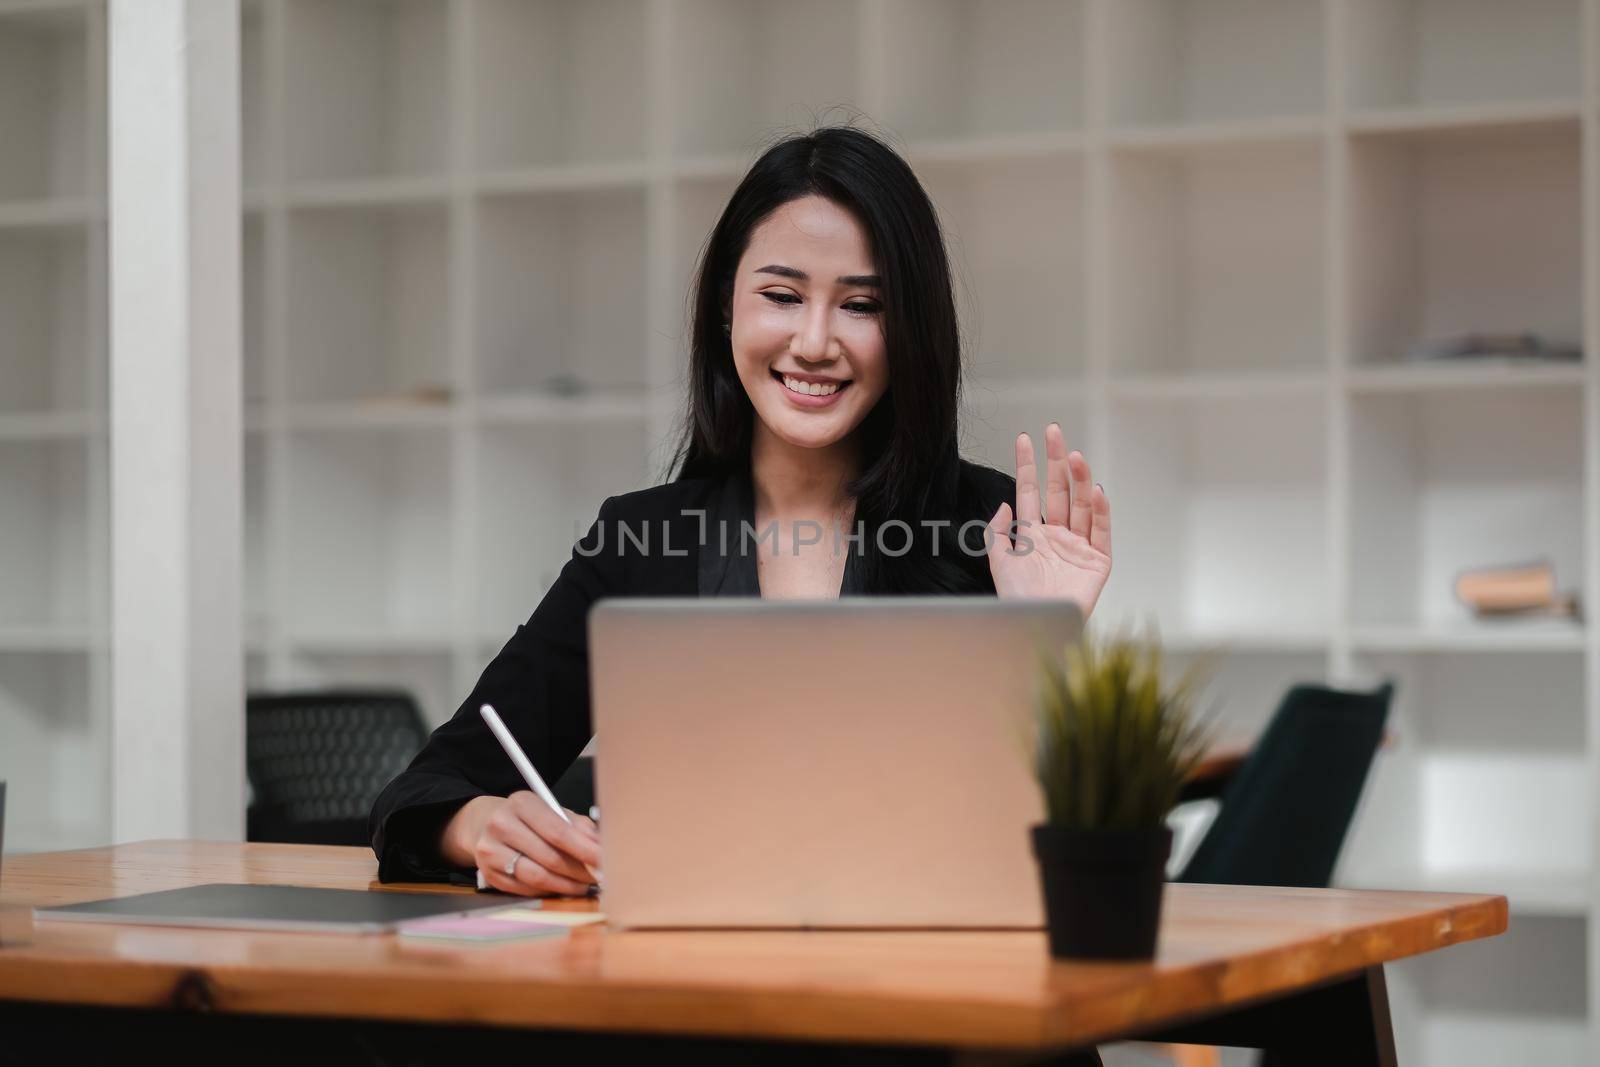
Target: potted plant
x,y
1113,744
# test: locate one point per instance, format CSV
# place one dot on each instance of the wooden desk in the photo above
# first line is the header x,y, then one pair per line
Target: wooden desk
x,y
1234,963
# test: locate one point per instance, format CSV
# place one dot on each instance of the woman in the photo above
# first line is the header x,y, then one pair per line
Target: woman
x,y
819,459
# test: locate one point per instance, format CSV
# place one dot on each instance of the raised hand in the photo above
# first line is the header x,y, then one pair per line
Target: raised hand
x,y
1063,548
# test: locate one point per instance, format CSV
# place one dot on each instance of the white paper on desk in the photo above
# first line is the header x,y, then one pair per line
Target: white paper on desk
x,y
534,914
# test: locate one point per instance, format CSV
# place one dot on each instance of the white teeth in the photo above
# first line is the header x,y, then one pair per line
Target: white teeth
x,y
809,388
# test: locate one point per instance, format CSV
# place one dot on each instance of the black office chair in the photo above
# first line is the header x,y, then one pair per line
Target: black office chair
x,y
317,760
1285,813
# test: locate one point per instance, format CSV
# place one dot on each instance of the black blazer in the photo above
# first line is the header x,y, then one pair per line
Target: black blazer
x,y
539,682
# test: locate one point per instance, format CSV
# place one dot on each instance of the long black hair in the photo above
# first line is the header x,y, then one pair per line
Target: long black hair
x,y
910,458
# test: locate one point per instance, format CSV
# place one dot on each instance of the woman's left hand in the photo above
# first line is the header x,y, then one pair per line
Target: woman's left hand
x,y
1062,549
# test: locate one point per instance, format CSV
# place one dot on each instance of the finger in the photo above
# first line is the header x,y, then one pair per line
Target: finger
x,y
493,857
1055,496
999,536
555,830
1027,482
530,879
499,881
1082,490
514,834
1100,528
585,824
540,879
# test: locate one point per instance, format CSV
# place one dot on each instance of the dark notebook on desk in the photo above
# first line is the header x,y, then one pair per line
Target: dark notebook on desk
x,y
272,907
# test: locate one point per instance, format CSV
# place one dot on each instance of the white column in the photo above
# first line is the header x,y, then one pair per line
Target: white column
x,y
177,664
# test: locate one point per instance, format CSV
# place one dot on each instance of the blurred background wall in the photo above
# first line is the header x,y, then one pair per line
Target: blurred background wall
x,y
1306,279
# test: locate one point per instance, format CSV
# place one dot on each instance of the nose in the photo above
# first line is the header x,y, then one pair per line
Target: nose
x,y
813,342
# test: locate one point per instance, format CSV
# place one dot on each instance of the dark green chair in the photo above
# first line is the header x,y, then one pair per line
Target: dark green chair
x,y
1285,813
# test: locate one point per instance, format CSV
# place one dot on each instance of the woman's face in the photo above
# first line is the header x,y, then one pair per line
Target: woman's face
x,y
807,319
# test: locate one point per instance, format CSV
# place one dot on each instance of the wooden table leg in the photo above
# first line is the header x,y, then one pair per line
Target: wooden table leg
x,y
1344,1022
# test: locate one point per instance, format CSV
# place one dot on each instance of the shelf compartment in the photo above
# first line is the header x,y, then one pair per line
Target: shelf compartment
x,y
1183,61
427,676
1015,232
749,67
1219,515
367,89
368,532
44,532
562,292
1241,687
1488,773
1217,259
368,302
44,117
1442,53
55,760
697,204
1471,230
1447,482
539,490
558,83
44,362
957,68
991,419
1518,998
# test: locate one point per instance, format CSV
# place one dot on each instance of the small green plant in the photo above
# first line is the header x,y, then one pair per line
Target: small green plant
x,y
1114,744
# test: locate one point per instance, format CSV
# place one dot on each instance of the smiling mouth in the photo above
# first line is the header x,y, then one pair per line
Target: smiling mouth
x,y
794,385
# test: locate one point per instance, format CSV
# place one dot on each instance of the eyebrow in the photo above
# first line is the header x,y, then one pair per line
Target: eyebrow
x,y
801,276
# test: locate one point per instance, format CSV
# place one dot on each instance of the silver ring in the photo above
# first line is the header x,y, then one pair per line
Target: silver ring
x,y
511,868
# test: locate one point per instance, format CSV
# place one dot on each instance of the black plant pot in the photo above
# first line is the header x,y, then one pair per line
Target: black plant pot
x,y
1102,890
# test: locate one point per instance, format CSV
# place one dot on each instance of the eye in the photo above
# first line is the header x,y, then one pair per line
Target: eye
x,y
789,299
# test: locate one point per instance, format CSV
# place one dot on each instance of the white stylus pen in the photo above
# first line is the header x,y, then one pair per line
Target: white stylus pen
x,y
525,768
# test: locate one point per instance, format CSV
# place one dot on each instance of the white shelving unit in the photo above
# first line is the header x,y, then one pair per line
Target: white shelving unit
x,y
54,588
1200,234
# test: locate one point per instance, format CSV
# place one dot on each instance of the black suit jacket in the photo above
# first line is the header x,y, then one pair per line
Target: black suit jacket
x,y
539,682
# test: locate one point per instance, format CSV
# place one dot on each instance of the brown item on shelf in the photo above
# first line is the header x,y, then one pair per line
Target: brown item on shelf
x,y
1507,588
421,396
1562,607
1520,589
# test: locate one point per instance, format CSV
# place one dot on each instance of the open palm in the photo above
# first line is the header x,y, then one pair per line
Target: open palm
x,y
1063,540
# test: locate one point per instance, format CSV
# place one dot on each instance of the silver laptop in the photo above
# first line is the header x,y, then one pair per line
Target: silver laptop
x,y
859,762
